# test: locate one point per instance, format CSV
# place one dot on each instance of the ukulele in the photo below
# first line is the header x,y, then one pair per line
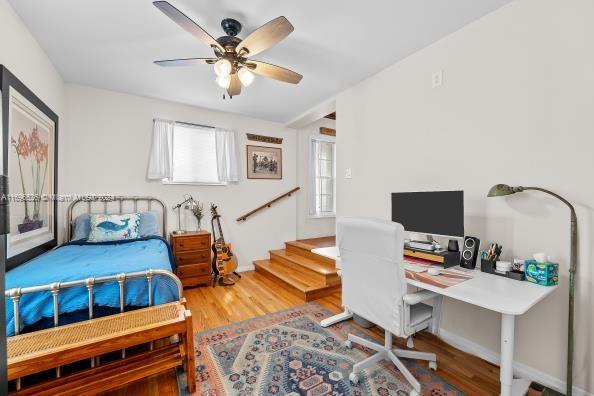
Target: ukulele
x,y
224,262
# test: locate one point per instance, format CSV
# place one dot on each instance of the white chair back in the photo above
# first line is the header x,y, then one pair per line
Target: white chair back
x,y
373,278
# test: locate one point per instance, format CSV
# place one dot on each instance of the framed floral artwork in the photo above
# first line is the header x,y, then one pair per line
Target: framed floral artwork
x,y
29,158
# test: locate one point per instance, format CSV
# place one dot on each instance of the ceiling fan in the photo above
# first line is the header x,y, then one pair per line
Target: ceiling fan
x,y
232,64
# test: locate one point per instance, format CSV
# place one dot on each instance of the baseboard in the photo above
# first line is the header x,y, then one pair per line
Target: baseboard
x,y
244,268
521,370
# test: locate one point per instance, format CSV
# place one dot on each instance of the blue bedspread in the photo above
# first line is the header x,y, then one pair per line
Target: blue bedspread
x,y
80,260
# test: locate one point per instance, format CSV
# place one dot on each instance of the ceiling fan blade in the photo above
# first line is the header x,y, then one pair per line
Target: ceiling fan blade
x,y
266,36
186,62
186,23
235,85
273,71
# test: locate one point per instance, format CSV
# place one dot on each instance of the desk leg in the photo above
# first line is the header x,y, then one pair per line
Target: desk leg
x,y
506,370
509,385
345,315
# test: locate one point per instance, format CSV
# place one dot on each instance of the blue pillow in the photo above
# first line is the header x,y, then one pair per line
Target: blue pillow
x,y
148,226
81,227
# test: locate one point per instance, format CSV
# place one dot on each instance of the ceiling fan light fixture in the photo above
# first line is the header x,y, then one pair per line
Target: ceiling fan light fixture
x,y
224,81
223,68
231,52
245,76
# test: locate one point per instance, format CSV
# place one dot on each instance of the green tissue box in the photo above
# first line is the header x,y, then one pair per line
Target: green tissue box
x,y
544,274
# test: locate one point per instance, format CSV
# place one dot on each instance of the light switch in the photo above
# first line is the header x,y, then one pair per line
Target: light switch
x,y
347,173
437,79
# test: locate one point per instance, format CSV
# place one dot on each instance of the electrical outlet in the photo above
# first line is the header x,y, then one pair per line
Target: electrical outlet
x,y
437,79
348,174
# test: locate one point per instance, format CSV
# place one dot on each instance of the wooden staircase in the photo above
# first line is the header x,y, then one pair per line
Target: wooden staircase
x,y
300,271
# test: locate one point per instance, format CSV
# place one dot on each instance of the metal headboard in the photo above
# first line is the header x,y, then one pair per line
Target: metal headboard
x,y
120,199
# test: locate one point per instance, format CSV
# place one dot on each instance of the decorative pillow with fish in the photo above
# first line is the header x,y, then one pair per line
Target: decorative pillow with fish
x,y
113,227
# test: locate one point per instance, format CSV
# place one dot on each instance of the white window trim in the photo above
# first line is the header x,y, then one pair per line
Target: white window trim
x,y
311,177
168,182
188,183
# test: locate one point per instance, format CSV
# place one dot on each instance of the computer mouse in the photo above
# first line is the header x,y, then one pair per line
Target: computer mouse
x,y
433,271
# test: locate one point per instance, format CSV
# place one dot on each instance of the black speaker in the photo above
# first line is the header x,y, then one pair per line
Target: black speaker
x,y
470,252
453,246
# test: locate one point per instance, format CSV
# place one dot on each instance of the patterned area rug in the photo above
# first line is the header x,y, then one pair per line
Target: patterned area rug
x,y
289,353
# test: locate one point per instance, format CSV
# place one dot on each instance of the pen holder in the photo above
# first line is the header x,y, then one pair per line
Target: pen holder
x,y
489,267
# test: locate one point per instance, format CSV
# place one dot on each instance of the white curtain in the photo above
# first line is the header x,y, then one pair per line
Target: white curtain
x,y
160,161
226,156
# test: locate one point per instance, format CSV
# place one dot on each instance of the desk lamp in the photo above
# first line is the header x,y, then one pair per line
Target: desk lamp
x,y
187,200
500,190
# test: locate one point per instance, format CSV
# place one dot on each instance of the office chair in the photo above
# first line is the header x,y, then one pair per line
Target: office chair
x,y
374,287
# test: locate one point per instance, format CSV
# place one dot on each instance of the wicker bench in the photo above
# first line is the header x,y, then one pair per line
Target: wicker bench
x,y
39,351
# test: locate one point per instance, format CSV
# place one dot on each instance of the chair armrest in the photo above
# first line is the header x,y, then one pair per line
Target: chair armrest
x,y
415,298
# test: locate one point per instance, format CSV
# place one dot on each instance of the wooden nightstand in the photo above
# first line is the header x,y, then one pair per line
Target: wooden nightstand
x,y
192,254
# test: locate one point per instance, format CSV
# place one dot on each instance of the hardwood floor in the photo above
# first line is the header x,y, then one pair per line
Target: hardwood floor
x,y
256,295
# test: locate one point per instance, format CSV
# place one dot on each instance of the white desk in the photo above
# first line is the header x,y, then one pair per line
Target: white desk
x,y
506,296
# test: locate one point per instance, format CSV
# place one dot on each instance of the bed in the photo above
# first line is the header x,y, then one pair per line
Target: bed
x,y
81,280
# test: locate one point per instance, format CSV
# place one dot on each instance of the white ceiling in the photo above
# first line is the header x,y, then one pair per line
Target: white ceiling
x,y
111,44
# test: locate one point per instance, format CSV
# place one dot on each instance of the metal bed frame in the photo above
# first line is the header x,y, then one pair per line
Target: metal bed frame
x,y
121,200
55,287
15,293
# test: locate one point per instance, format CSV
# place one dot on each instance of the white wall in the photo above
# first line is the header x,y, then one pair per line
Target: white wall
x,y
308,227
22,55
110,137
516,107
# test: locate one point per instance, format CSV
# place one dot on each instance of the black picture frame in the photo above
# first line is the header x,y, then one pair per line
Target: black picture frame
x,y
7,81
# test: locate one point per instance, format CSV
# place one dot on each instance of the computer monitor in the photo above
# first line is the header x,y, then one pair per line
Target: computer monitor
x,y
431,212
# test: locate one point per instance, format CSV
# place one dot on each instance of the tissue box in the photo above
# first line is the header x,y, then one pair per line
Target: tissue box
x,y
544,274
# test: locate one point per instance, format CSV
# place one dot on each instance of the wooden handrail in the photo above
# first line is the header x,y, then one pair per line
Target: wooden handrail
x,y
267,204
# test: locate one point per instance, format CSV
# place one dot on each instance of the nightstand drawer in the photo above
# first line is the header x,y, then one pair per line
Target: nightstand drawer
x,y
191,243
205,280
193,257
193,270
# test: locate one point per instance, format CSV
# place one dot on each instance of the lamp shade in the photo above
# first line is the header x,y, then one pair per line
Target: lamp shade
x,y
223,81
245,76
223,68
500,190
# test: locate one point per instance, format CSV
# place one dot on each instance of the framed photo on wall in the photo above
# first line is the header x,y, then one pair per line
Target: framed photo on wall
x,y
29,158
264,162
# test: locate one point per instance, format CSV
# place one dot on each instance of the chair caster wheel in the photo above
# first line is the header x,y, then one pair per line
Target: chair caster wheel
x,y
354,378
348,344
410,343
433,366
414,393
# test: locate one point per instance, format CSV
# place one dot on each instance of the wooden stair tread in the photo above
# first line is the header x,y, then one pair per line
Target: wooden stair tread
x,y
293,276
308,263
313,243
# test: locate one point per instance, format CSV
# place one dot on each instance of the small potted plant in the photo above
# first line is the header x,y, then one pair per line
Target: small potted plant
x,y
198,212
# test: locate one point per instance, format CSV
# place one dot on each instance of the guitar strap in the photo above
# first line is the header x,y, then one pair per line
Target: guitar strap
x,y
212,225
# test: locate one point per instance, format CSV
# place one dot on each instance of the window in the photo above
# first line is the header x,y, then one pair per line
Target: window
x,y
194,155
323,177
